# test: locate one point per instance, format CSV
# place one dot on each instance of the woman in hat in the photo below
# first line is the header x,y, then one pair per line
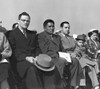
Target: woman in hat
x,y
93,45
85,61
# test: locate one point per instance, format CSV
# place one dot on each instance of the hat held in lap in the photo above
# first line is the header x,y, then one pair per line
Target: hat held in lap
x,y
44,62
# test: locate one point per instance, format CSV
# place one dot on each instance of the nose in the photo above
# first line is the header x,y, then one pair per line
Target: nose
x,y
26,21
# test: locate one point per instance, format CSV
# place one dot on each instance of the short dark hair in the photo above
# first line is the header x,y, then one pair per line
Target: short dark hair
x,y
23,13
65,22
48,21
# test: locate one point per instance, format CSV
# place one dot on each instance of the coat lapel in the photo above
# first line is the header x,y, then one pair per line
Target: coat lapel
x,y
20,33
47,36
54,40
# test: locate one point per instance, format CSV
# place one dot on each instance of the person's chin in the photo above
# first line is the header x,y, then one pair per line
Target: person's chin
x,y
25,27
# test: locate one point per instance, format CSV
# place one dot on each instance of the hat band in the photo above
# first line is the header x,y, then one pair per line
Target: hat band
x,y
80,39
42,66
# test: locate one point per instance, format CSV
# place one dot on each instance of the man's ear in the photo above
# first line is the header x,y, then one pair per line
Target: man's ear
x,y
44,29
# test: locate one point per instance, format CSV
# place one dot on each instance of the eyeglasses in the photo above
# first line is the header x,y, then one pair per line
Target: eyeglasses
x,y
23,20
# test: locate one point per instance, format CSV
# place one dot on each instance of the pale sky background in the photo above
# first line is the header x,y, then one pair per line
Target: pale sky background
x,y
83,15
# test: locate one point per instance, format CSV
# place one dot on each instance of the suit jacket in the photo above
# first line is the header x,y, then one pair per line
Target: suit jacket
x,y
22,47
68,42
50,45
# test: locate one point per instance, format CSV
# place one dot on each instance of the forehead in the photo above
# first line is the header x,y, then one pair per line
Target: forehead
x,y
94,33
66,25
25,17
50,24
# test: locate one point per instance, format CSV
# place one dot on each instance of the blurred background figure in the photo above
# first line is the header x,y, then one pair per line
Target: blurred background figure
x,y
14,25
57,32
74,36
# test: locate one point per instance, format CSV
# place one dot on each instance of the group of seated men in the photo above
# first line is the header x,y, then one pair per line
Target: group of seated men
x,y
36,56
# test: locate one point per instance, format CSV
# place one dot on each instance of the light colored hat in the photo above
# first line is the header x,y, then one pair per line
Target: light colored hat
x,y
92,31
44,62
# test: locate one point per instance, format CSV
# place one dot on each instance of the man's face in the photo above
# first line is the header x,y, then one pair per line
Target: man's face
x,y
24,21
66,28
49,28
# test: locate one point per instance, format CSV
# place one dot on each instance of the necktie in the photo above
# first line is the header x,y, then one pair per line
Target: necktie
x,y
25,34
51,37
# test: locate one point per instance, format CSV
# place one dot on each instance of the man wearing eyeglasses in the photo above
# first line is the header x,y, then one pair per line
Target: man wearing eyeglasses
x,y
23,43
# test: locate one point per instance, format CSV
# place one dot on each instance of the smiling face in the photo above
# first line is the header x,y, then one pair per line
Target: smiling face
x,y
49,28
24,21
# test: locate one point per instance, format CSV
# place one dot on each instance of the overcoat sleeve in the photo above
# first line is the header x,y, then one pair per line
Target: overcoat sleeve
x,y
5,47
43,43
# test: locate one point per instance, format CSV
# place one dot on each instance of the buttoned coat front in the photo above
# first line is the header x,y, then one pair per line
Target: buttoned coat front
x,y
22,47
51,45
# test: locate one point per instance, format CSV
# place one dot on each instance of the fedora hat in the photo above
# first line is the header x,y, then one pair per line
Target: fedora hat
x,y
81,37
92,31
44,62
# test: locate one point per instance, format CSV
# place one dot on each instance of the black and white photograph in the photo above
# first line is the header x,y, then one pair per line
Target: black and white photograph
x,y
50,44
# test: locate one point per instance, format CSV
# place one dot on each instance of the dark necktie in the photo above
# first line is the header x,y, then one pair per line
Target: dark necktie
x,y
25,34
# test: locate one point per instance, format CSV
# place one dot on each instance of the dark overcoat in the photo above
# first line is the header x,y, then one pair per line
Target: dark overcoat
x,y
22,46
50,45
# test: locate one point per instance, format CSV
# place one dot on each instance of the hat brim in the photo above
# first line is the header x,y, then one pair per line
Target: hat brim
x,y
80,39
91,32
42,68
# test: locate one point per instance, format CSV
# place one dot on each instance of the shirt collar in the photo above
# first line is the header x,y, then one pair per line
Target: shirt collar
x,y
23,31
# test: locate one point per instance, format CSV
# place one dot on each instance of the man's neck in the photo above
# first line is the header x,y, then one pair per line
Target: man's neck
x,y
22,29
65,34
49,33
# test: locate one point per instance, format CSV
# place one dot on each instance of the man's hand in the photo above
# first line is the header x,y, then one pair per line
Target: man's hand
x,y
73,55
30,59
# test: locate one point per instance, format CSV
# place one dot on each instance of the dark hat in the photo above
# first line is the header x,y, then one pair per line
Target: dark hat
x,y
81,37
44,62
92,31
